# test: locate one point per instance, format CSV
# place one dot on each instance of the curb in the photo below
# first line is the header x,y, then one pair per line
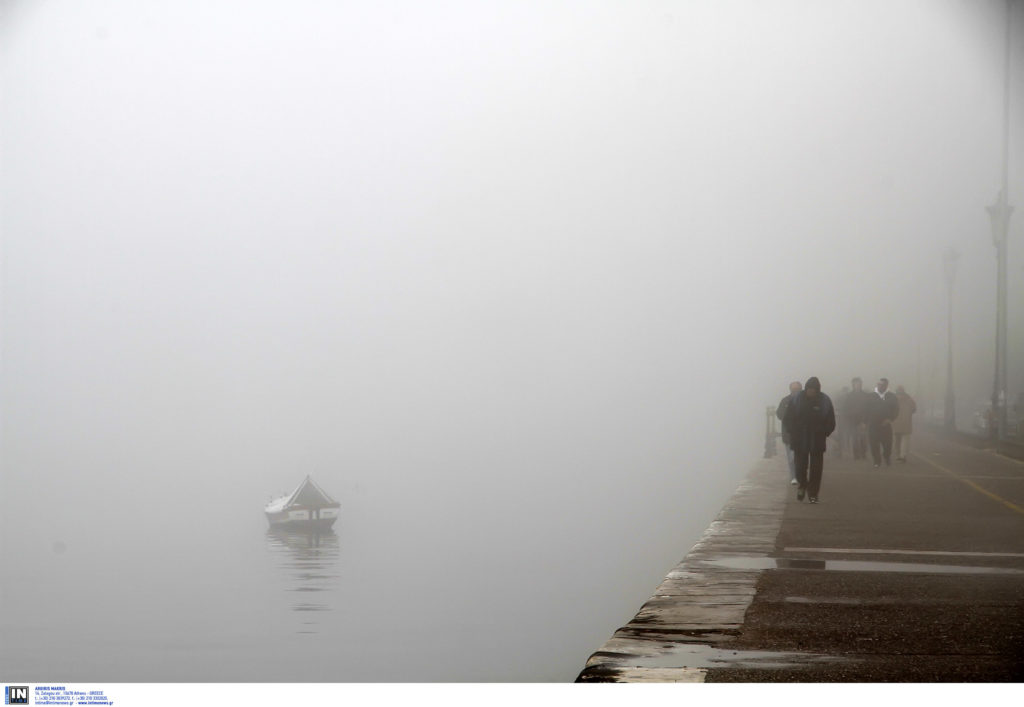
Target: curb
x,y
699,607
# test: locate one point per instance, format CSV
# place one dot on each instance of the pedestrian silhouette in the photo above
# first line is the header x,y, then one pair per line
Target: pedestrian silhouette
x,y
780,412
902,426
811,418
883,407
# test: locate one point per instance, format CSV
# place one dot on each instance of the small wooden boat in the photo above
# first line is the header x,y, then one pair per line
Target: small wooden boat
x,y
308,507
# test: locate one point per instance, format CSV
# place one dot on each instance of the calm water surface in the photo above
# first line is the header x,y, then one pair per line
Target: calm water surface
x,y
406,588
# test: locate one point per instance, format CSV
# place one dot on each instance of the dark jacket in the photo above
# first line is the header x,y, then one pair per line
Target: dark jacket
x,y
881,409
780,412
810,422
855,406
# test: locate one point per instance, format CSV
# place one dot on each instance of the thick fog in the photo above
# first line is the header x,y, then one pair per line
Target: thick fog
x,y
514,281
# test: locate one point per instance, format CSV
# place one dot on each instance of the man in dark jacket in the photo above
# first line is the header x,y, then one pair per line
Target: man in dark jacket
x,y
810,419
883,407
854,413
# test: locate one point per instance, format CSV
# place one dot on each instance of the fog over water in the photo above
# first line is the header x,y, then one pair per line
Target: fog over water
x,y
513,281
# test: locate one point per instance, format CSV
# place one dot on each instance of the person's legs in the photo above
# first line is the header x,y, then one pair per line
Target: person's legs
x,y
897,440
817,464
875,437
904,446
801,472
887,443
860,444
792,463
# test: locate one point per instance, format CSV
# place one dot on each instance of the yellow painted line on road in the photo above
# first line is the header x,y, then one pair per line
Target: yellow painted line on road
x,y
979,489
1003,457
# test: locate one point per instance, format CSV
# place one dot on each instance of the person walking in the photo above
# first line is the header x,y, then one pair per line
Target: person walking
x,y
883,407
780,412
854,417
842,426
901,426
811,418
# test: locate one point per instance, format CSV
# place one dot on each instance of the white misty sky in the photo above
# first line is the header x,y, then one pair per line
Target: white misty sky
x,y
578,235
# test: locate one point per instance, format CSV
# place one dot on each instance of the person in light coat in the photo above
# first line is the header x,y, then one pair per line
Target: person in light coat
x,y
780,412
902,426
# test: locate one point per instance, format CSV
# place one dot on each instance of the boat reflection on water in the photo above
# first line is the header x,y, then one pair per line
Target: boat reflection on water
x,y
308,560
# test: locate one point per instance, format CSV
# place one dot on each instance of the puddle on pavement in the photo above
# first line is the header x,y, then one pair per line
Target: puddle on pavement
x,y
693,655
841,601
788,563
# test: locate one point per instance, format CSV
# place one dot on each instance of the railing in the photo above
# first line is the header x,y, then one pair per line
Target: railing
x,y
769,432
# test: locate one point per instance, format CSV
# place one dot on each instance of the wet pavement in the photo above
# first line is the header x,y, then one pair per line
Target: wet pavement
x,y
907,573
793,563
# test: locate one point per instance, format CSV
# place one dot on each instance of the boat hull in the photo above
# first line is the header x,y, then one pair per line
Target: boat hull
x,y
315,524
303,518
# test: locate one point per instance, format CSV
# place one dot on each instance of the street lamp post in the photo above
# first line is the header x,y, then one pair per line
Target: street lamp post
x,y
949,260
999,213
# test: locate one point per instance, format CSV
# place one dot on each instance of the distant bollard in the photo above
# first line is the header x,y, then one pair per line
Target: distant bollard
x,y
769,433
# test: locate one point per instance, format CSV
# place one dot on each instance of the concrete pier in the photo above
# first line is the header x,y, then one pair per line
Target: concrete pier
x,y
907,573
